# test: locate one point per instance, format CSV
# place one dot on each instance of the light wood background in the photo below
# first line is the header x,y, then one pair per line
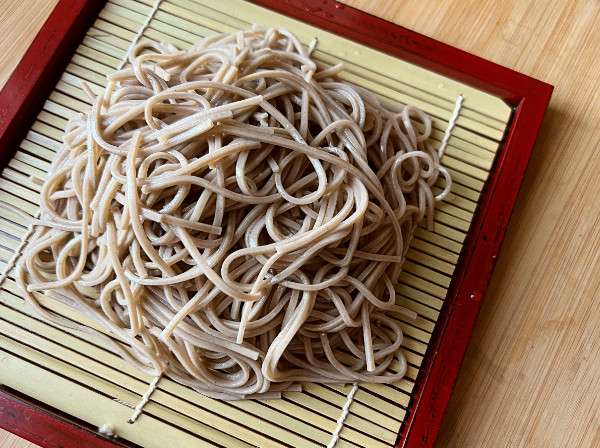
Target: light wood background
x,y
531,377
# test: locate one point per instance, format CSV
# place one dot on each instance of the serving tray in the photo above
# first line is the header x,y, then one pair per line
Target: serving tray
x,y
59,388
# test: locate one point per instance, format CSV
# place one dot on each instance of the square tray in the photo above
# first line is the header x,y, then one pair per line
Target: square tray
x,y
504,110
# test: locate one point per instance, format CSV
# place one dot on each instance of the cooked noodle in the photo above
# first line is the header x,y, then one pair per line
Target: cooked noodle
x,y
238,216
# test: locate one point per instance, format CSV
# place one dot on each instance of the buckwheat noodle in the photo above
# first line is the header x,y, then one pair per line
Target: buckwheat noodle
x,y
235,216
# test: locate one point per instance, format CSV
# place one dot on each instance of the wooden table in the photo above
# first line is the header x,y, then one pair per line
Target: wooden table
x,y
531,377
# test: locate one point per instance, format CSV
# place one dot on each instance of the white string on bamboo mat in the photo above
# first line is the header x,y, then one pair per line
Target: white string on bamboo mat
x,y
343,416
140,32
451,123
145,398
154,384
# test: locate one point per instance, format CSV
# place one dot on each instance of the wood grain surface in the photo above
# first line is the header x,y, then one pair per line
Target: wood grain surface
x,y
531,377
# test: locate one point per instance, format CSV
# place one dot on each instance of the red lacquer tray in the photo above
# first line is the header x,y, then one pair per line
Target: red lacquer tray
x,y
32,81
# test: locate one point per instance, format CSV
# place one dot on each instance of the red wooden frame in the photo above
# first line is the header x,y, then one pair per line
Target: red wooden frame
x,y
46,428
35,76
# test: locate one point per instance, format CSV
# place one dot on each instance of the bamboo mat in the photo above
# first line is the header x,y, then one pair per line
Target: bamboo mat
x,y
77,375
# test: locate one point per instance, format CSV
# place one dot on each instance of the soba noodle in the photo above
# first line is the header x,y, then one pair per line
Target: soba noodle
x,y
238,216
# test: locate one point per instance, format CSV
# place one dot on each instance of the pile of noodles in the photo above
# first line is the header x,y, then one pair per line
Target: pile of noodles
x,y
238,216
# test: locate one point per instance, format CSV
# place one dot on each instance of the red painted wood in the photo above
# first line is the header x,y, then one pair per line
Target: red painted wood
x,y
34,78
39,70
45,428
